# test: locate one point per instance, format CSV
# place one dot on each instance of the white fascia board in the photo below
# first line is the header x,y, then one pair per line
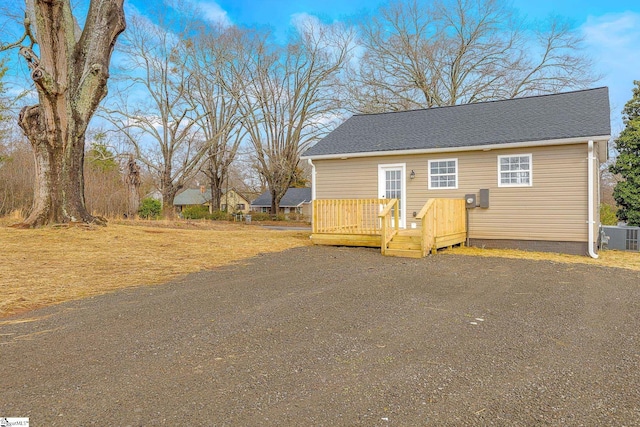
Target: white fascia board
x,y
487,147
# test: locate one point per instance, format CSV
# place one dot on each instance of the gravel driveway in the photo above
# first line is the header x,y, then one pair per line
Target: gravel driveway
x,y
320,336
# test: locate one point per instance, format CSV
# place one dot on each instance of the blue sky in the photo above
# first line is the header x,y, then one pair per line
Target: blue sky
x,y
611,29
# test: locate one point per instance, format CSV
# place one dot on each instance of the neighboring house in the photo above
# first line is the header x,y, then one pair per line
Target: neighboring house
x,y
295,200
536,160
192,197
231,201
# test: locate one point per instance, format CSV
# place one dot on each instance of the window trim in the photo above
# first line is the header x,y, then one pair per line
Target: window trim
x,y
530,184
429,176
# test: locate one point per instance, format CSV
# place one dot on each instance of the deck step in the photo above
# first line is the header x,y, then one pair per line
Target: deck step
x,y
408,245
404,238
406,241
404,253
413,233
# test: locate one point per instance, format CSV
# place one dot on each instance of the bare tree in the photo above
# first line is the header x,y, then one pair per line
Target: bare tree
x,y
16,175
70,73
286,103
154,112
419,55
214,88
4,107
132,180
104,189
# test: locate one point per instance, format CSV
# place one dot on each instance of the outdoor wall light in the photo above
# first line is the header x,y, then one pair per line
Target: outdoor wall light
x,y
412,174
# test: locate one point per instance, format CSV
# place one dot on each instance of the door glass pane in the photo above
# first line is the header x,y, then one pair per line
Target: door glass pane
x,y
393,186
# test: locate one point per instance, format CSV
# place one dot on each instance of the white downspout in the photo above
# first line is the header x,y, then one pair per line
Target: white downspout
x,y
313,190
313,179
591,159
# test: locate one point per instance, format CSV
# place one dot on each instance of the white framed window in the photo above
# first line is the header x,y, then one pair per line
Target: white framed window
x,y
515,170
443,173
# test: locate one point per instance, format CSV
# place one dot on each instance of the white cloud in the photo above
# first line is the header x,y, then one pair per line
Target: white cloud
x,y
213,12
612,40
304,20
613,34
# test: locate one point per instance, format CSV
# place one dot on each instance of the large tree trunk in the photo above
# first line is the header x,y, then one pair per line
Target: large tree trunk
x,y
216,192
132,179
59,183
71,79
169,190
217,176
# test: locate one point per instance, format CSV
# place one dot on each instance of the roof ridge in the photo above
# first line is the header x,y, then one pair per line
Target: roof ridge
x,y
483,102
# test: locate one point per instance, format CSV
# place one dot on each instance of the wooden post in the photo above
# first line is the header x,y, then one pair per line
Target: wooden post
x,y
396,215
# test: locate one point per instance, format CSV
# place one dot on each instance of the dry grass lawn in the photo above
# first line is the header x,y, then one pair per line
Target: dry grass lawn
x,y
616,259
50,265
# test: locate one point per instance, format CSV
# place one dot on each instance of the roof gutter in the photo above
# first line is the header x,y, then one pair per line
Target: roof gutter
x,y
487,147
591,176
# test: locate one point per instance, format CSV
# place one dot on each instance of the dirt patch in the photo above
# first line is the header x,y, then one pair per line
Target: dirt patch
x,y
337,336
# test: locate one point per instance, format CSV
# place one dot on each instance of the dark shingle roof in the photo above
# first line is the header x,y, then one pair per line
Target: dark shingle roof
x,y
292,198
538,118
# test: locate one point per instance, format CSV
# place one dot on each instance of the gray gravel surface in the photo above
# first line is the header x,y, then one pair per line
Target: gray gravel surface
x,y
320,336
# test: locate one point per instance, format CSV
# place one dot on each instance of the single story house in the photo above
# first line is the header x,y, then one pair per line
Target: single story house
x,y
527,167
231,201
295,200
192,197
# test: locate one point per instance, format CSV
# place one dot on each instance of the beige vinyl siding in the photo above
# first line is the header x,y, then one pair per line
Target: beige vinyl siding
x,y
554,208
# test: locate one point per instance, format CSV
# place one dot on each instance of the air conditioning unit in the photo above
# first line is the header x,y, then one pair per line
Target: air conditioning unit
x,y
621,238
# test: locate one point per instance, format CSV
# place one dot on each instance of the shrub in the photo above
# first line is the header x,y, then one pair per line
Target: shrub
x,y
150,208
294,216
260,216
195,212
220,216
608,214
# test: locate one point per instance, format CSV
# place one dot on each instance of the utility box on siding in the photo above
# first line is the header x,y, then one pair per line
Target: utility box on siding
x,y
621,238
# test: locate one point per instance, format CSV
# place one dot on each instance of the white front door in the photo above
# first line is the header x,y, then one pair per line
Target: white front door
x,y
391,185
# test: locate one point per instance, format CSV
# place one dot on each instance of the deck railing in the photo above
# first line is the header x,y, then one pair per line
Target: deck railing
x,y
347,216
373,222
389,217
442,220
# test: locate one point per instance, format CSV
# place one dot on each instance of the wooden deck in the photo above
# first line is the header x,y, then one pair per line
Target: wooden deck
x,y
374,223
